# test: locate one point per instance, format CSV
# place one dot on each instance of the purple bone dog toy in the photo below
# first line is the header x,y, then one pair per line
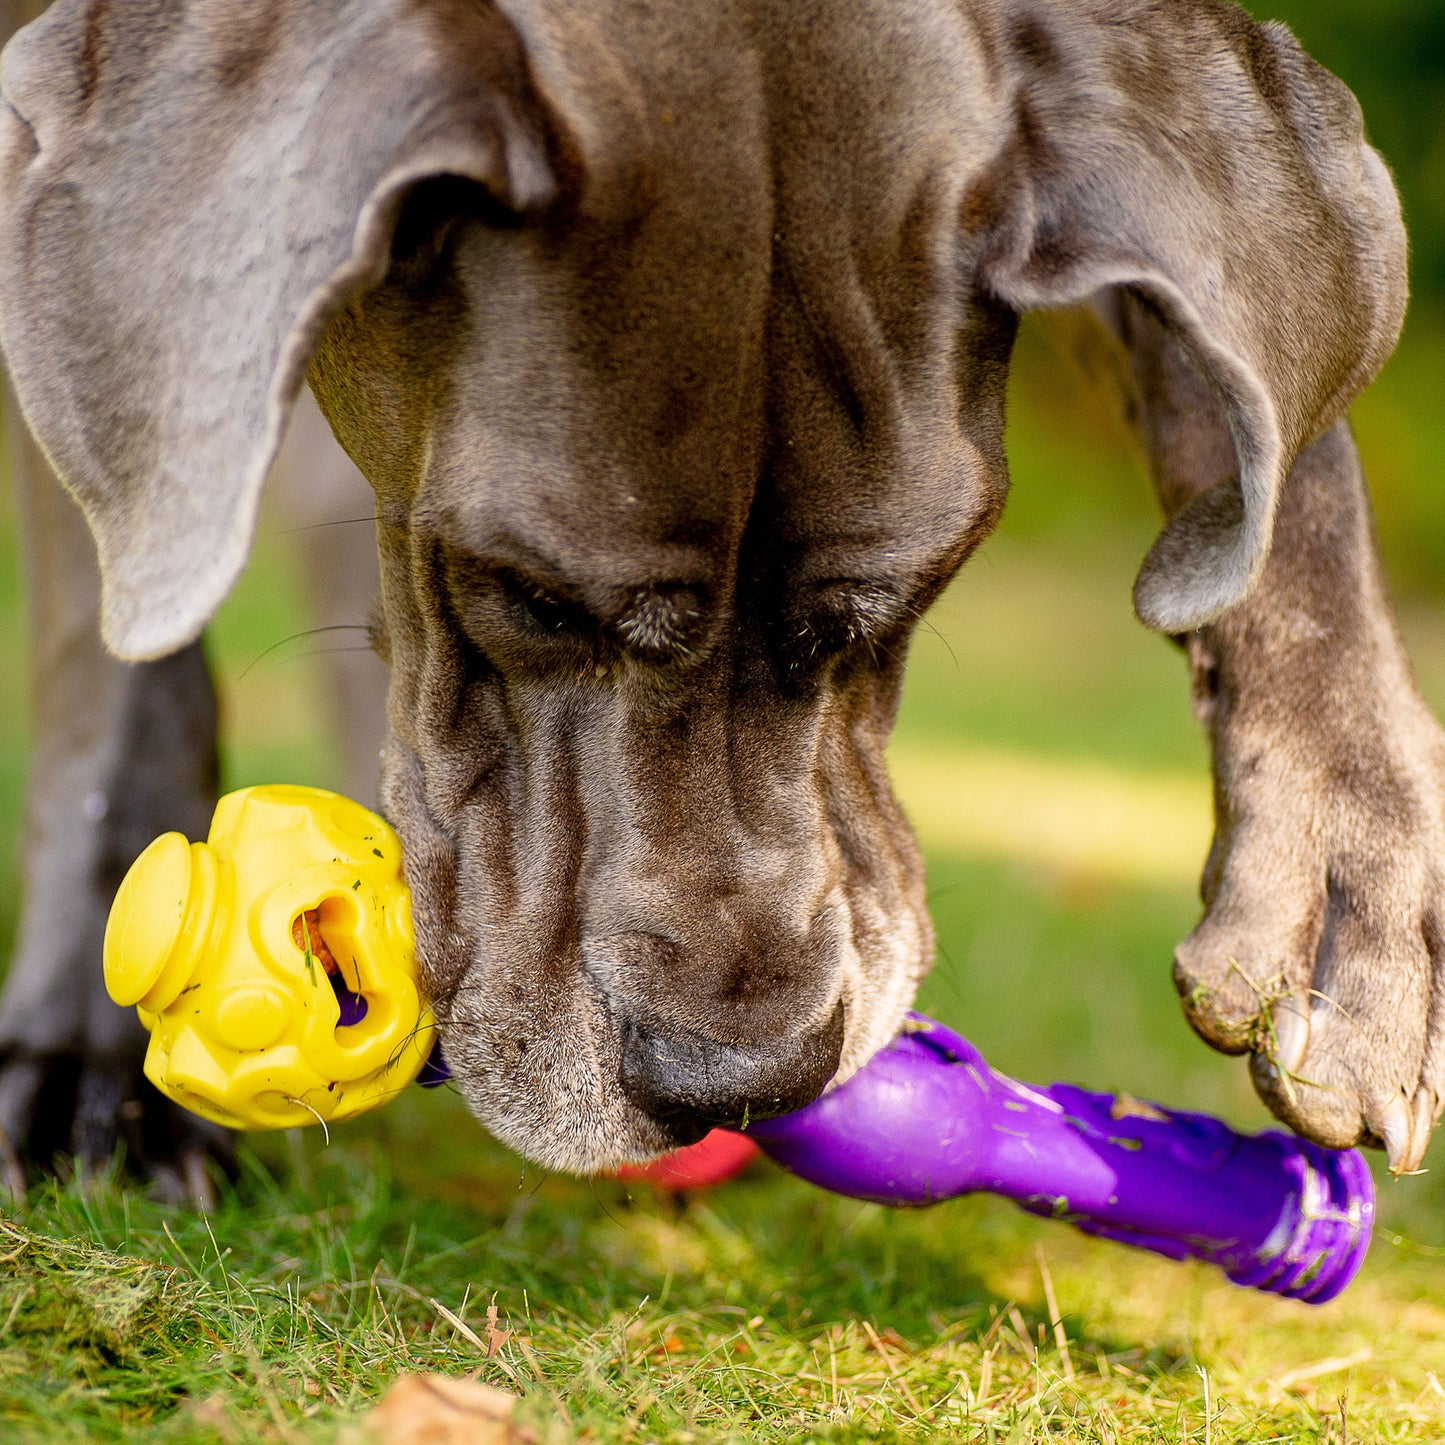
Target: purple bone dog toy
x,y
928,1119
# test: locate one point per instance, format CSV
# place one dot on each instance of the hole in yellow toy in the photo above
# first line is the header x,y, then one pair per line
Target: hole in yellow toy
x,y
309,931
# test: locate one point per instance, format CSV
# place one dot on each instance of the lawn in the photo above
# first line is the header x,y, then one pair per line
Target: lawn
x,y
1059,785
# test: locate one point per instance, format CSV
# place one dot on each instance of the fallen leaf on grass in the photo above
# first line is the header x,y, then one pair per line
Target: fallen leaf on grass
x,y
439,1410
496,1336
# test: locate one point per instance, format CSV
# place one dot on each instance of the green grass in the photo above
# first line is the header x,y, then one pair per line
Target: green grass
x,y
765,1310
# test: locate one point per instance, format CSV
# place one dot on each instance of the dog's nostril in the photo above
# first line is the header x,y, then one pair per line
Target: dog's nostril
x,y
687,1077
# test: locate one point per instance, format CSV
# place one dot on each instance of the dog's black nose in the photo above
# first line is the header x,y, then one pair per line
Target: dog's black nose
x,y
686,1078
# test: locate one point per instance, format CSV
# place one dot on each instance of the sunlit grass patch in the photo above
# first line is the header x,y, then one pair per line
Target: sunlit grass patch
x,y
765,1311
1086,819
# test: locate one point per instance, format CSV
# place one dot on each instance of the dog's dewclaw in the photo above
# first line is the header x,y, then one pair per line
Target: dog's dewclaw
x,y
274,963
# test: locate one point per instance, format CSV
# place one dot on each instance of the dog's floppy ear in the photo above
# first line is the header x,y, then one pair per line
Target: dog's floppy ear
x,y
1208,165
188,192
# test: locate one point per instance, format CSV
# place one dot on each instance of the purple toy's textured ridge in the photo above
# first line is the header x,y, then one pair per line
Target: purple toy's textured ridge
x,y
928,1119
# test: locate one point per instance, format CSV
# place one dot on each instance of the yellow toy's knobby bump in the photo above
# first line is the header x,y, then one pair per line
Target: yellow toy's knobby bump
x,y
274,963
158,922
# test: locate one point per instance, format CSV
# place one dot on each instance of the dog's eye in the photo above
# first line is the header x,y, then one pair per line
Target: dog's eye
x,y
553,614
662,623
837,618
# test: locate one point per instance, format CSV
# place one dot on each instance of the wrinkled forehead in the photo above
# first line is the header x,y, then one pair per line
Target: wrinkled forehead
x,y
755,308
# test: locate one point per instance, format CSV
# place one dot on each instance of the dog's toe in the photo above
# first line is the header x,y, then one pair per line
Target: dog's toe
x,y
58,1114
1252,949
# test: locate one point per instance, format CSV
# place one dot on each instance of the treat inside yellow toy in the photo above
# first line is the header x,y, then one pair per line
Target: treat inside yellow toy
x,y
274,963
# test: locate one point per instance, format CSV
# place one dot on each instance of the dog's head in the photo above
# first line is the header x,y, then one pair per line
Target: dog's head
x,y
673,339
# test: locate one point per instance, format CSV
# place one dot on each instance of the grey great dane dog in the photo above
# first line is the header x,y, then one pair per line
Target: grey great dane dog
x,y
672,338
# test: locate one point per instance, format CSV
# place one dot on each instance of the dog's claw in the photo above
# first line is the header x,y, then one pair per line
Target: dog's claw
x,y
1406,1128
12,1172
1427,1110
196,1178
1397,1132
185,1182
1291,1034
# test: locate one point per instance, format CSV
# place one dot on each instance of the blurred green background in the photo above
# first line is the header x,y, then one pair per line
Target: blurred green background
x,y
1046,747
1392,55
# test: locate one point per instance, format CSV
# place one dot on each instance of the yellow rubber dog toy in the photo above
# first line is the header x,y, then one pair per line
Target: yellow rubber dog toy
x,y
273,964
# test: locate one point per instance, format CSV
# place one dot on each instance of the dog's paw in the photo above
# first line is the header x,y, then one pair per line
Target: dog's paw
x,y
1322,949
78,1113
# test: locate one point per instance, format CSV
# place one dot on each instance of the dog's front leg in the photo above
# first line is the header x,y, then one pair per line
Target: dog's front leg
x,y
121,753
1320,949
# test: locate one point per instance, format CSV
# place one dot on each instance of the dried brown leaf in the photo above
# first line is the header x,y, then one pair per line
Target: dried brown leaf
x,y
440,1410
496,1336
